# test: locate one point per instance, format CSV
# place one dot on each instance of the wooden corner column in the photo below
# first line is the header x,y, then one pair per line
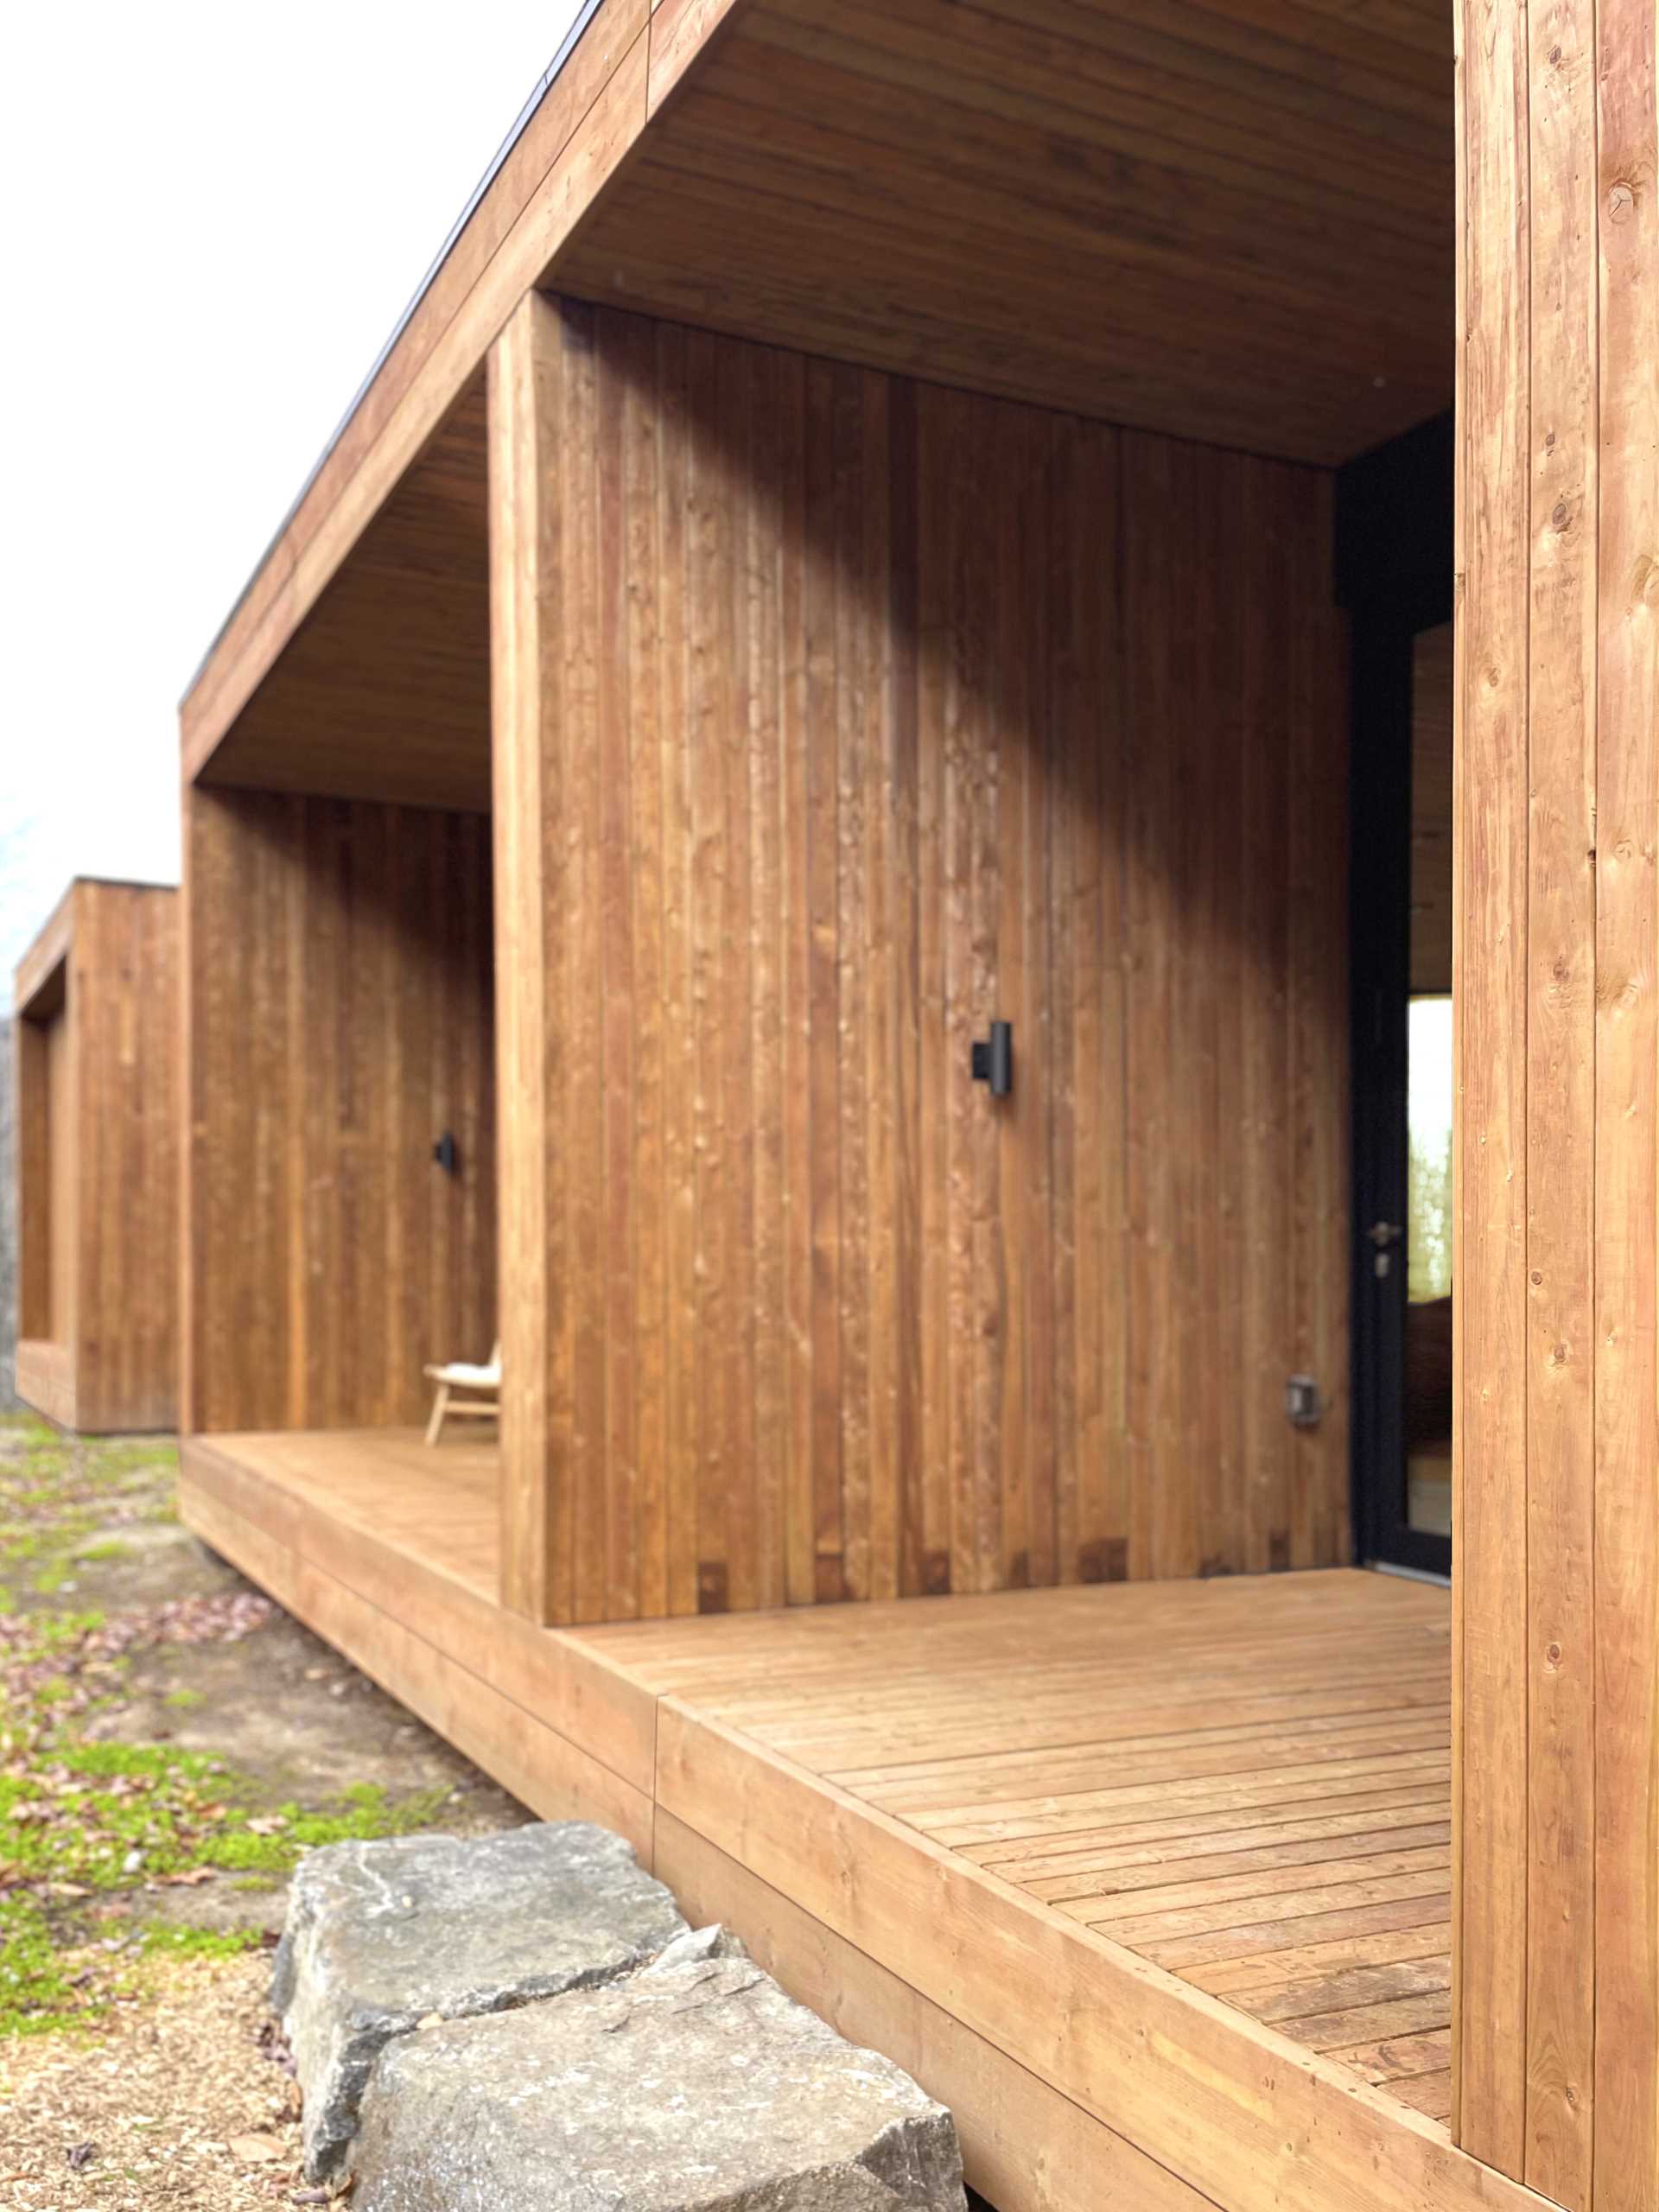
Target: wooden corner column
x,y
524,639
1556,1663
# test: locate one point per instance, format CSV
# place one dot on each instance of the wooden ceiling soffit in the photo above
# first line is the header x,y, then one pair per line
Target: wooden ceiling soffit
x,y
1231,222
382,692
1228,222
630,56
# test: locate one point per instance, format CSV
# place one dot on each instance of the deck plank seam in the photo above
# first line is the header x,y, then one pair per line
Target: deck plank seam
x,y
1258,2040
326,1563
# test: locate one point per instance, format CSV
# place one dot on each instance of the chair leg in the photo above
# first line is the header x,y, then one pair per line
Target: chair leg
x,y
439,1407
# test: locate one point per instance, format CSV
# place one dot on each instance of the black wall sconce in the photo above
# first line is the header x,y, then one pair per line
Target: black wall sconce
x,y
993,1059
447,1153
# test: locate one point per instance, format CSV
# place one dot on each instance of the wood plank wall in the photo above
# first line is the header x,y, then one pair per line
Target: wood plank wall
x,y
97,1160
339,1020
61,1211
1556,1672
859,712
121,1160
34,1047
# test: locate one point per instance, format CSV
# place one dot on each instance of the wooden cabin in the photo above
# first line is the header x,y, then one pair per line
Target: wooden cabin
x,y
960,669
97,1160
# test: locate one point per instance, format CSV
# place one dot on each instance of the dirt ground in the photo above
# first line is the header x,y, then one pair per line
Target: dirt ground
x,y
169,1743
175,2100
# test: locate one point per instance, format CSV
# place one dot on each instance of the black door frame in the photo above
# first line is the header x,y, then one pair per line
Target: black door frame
x,y
1394,575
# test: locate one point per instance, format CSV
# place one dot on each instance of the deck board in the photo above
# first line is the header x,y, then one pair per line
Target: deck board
x,y
1196,1770
1240,1787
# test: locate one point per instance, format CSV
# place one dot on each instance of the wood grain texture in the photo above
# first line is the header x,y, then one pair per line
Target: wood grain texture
x,y
521,1745
1228,223
1196,1956
382,692
62,1073
536,1509
420,1539
1561,1080
870,712
1490,984
45,1379
37,981
45,1155
1212,2094
1625,66
97,1160
1557,2049
1022,2142
585,123
340,1020
1050,202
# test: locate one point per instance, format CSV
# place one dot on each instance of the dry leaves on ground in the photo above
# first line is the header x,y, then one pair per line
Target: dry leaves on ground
x,y
78,1652
179,2106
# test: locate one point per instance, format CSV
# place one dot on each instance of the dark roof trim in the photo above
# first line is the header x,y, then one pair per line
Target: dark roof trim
x,y
125,882
583,16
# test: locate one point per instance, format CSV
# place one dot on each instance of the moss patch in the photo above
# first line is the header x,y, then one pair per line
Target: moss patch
x,y
38,1988
88,1823
52,1978
86,1818
59,1497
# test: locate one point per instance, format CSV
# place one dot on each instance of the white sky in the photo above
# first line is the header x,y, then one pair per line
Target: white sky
x,y
1431,1073
214,216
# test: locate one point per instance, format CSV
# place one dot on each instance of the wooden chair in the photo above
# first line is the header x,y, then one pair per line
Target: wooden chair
x,y
485,1382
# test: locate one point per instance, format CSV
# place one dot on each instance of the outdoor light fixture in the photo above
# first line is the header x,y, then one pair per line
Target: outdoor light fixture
x,y
993,1059
447,1153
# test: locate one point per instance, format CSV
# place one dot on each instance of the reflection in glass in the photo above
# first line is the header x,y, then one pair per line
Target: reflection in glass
x,y
1428,1095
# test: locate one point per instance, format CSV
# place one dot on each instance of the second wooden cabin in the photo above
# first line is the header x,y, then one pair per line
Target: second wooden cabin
x,y
886,523
96,999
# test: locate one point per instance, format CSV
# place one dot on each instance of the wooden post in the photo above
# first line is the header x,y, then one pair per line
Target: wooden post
x,y
1556,1660
535,1519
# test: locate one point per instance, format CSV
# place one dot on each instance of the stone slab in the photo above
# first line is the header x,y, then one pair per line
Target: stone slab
x,y
691,2085
380,1936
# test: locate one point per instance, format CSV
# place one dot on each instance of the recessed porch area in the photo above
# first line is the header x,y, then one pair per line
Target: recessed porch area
x,y
1138,1847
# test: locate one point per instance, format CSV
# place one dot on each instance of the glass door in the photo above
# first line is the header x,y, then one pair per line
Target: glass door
x,y
1404,1083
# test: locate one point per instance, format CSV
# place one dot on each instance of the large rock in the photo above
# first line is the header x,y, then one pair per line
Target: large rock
x,y
380,1936
693,2084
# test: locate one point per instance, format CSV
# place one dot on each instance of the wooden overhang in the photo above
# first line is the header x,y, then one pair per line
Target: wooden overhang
x,y
38,977
1232,222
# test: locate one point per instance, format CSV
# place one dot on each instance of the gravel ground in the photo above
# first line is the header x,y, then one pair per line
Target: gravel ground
x,y
177,2101
119,1635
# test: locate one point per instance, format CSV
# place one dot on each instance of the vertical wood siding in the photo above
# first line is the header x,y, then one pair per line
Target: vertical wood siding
x,y
124,987
34,1047
98,1160
339,1020
1556,1667
874,711
62,1181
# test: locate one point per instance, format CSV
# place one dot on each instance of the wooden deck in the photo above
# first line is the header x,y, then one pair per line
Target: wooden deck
x,y
1245,1783
1150,1882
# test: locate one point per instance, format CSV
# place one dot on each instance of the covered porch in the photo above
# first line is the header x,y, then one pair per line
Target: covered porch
x,y
1133,1875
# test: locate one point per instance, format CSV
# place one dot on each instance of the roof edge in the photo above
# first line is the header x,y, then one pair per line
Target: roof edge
x,y
578,23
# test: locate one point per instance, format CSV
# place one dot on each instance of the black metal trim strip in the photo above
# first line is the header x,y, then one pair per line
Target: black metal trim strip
x,y
1395,563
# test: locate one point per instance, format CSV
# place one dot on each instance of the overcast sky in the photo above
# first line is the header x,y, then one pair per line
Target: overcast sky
x,y
215,216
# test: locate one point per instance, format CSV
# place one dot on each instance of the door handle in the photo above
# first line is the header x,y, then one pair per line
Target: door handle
x,y
1384,1234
